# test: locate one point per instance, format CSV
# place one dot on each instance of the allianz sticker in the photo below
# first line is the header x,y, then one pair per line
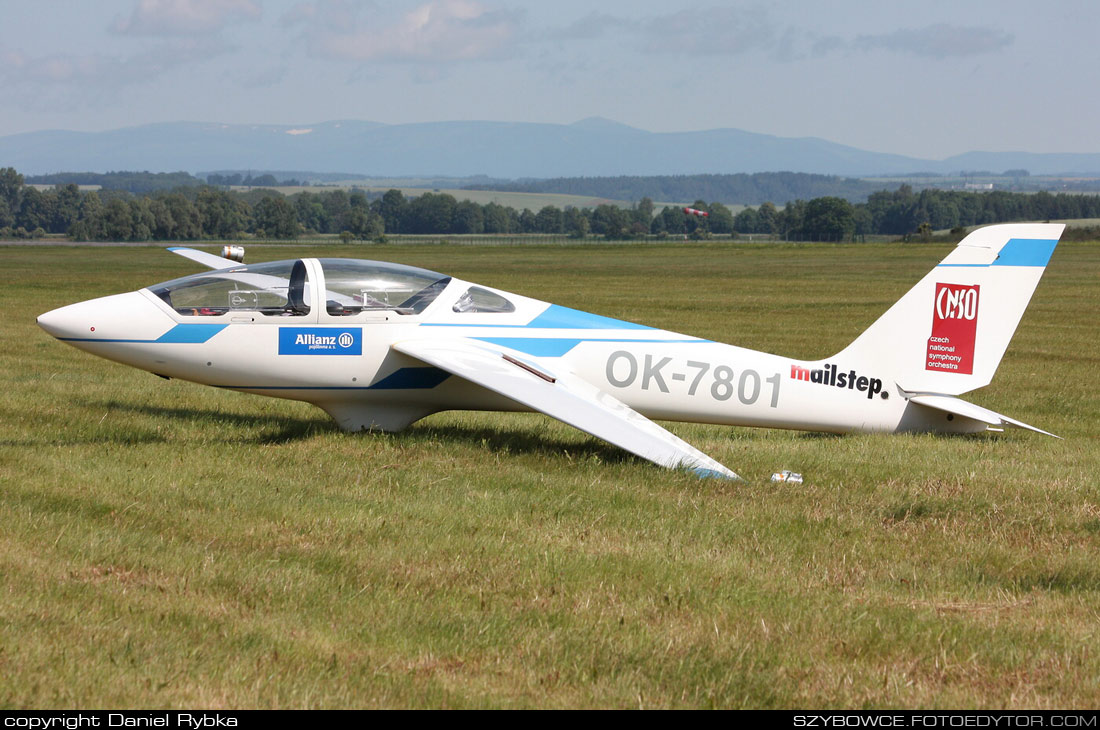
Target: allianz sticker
x,y
320,340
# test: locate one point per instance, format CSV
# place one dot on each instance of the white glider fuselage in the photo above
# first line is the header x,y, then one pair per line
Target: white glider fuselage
x,y
379,346
660,374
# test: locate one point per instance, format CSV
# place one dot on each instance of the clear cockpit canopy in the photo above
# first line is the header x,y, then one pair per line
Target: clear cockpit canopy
x,y
282,288
353,286
273,288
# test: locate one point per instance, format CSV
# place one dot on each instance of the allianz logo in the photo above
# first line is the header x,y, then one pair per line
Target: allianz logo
x,y
316,342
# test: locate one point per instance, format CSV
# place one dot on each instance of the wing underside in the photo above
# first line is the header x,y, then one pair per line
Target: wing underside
x,y
562,395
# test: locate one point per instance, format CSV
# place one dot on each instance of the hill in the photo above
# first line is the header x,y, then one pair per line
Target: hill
x,y
592,147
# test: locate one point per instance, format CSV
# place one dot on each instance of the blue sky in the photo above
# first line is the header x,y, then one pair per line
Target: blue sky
x,y
926,79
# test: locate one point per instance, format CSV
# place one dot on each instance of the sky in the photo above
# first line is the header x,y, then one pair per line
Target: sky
x,y
928,79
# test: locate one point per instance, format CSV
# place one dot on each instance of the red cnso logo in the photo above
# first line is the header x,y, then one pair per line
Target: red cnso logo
x,y
956,302
954,328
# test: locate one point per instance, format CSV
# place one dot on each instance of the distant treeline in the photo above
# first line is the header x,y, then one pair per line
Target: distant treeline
x,y
207,212
149,182
132,182
745,189
902,212
259,181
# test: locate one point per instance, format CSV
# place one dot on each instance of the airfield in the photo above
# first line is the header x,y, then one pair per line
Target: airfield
x,y
166,544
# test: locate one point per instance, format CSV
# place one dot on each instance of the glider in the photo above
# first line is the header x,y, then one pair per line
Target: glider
x,y
380,345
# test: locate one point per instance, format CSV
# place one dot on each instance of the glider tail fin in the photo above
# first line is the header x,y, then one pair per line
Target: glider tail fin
x,y
948,333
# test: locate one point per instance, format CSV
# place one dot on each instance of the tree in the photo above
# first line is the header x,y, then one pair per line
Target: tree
x,y
747,221
829,219
274,215
375,230
768,218
337,206
392,206
364,223
550,220
186,218
861,221
36,210
11,185
468,218
164,227
673,220
430,213
142,220
358,200
791,220
496,219
721,218
610,221
89,227
527,221
924,230
117,221
67,208
311,213
657,225
219,213
576,223
643,212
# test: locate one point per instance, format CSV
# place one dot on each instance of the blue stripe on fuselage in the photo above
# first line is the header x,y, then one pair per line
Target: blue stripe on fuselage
x,y
401,379
557,317
556,347
564,318
182,333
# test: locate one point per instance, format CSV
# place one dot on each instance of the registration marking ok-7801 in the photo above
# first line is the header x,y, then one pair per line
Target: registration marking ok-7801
x,y
623,370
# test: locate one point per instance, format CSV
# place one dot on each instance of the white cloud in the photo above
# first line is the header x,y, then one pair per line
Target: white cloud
x,y
726,31
103,71
938,41
185,17
439,30
593,25
711,31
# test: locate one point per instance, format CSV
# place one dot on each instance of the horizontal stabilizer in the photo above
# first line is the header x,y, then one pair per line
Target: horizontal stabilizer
x,y
564,396
949,404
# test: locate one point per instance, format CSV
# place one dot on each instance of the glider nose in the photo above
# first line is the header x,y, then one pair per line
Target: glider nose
x,y
65,323
121,317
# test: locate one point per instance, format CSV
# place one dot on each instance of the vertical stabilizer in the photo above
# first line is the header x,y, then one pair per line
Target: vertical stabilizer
x,y
948,333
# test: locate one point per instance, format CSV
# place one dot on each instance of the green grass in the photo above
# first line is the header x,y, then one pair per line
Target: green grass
x,y
169,545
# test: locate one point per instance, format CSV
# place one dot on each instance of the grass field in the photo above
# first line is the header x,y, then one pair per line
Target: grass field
x,y
169,545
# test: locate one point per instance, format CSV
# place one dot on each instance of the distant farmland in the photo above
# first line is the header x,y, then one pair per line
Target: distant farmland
x,y
519,201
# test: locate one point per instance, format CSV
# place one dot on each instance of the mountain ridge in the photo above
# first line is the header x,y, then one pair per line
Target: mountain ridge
x,y
594,146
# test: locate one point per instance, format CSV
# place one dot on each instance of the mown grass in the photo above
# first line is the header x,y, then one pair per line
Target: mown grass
x,y
170,545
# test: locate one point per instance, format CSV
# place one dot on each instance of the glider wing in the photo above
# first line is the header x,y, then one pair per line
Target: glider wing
x,y
564,396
